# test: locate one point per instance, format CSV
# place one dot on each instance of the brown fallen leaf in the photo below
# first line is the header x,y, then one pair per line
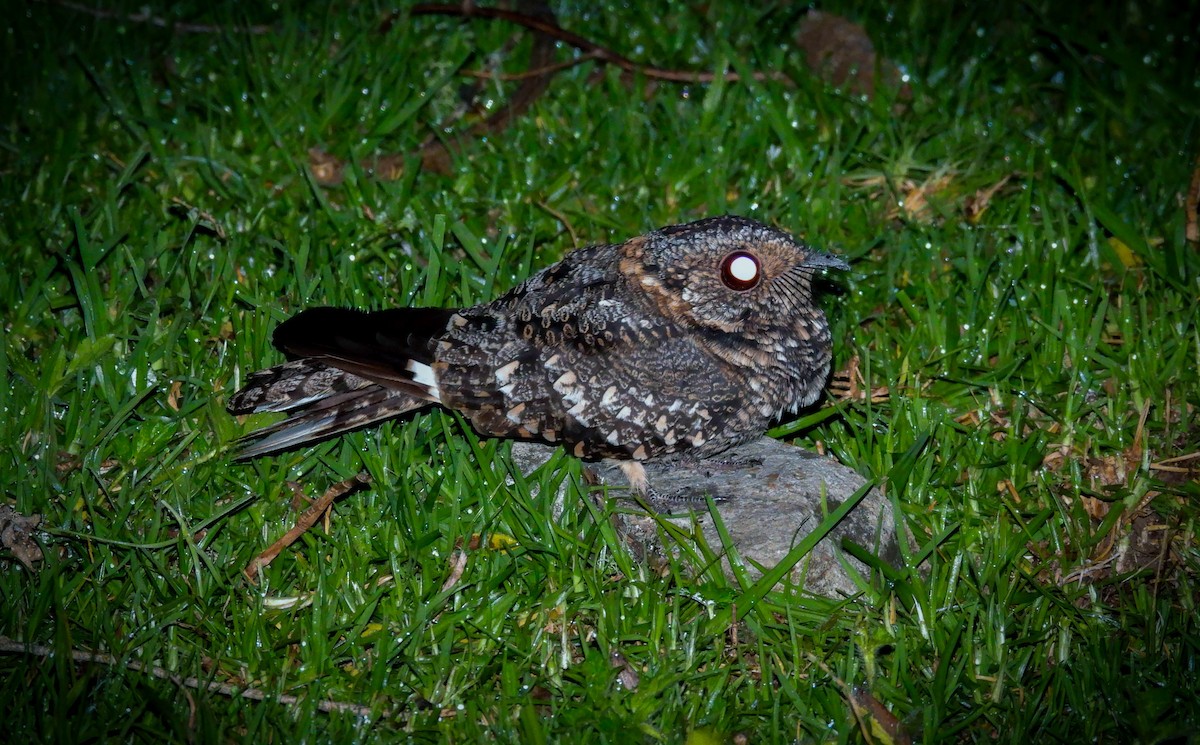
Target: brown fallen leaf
x,y
174,395
16,535
915,202
905,196
978,202
876,720
628,677
841,53
326,168
458,562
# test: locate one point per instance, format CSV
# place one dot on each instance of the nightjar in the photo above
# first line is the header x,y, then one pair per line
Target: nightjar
x,y
676,344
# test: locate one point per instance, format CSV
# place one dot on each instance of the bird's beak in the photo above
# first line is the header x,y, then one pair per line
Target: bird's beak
x,y
817,260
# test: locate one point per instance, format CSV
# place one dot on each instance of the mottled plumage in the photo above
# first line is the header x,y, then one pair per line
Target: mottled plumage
x,y
682,342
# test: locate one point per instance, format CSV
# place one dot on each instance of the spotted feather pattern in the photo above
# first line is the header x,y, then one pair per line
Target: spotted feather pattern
x,y
682,342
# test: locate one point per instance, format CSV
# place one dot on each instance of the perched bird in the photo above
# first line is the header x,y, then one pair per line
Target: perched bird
x,y
676,344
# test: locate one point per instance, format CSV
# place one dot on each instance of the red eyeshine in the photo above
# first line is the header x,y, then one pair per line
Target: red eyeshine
x,y
740,271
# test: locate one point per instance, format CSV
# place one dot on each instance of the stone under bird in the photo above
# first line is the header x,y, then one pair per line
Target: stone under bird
x,y
677,344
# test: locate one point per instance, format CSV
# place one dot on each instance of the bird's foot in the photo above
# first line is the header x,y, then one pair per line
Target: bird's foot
x,y
721,465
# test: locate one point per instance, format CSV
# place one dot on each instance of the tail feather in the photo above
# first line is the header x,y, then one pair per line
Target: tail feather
x,y
350,369
292,385
378,344
328,418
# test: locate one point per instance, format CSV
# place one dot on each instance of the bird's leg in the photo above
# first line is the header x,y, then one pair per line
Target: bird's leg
x,y
635,474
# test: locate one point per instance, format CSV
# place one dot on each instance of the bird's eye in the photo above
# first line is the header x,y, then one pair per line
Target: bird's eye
x,y
740,271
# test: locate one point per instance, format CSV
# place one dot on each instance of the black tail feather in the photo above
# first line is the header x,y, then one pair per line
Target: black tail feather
x,y
383,338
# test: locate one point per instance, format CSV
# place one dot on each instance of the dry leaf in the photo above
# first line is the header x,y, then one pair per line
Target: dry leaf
x,y
841,53
879,724
173,396
978,202
628,677
458,562
916,199
326,168
16,535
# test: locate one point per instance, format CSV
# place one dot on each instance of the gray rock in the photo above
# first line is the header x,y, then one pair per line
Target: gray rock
x,y
770,495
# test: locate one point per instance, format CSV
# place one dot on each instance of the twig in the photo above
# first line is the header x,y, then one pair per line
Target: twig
x,y
1191,206
561,218
589,47
1177,459
144,17
534,73
307,519
434,153
12,646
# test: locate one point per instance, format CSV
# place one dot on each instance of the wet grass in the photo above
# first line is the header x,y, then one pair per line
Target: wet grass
x,y
1025,366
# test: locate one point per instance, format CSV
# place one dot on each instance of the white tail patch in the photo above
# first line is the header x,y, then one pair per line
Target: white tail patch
x,y
423,376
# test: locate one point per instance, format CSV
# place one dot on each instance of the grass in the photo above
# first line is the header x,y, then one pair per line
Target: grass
x,y
1033,366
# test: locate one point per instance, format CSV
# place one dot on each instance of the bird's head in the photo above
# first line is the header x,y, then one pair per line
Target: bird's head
x,y
725,274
